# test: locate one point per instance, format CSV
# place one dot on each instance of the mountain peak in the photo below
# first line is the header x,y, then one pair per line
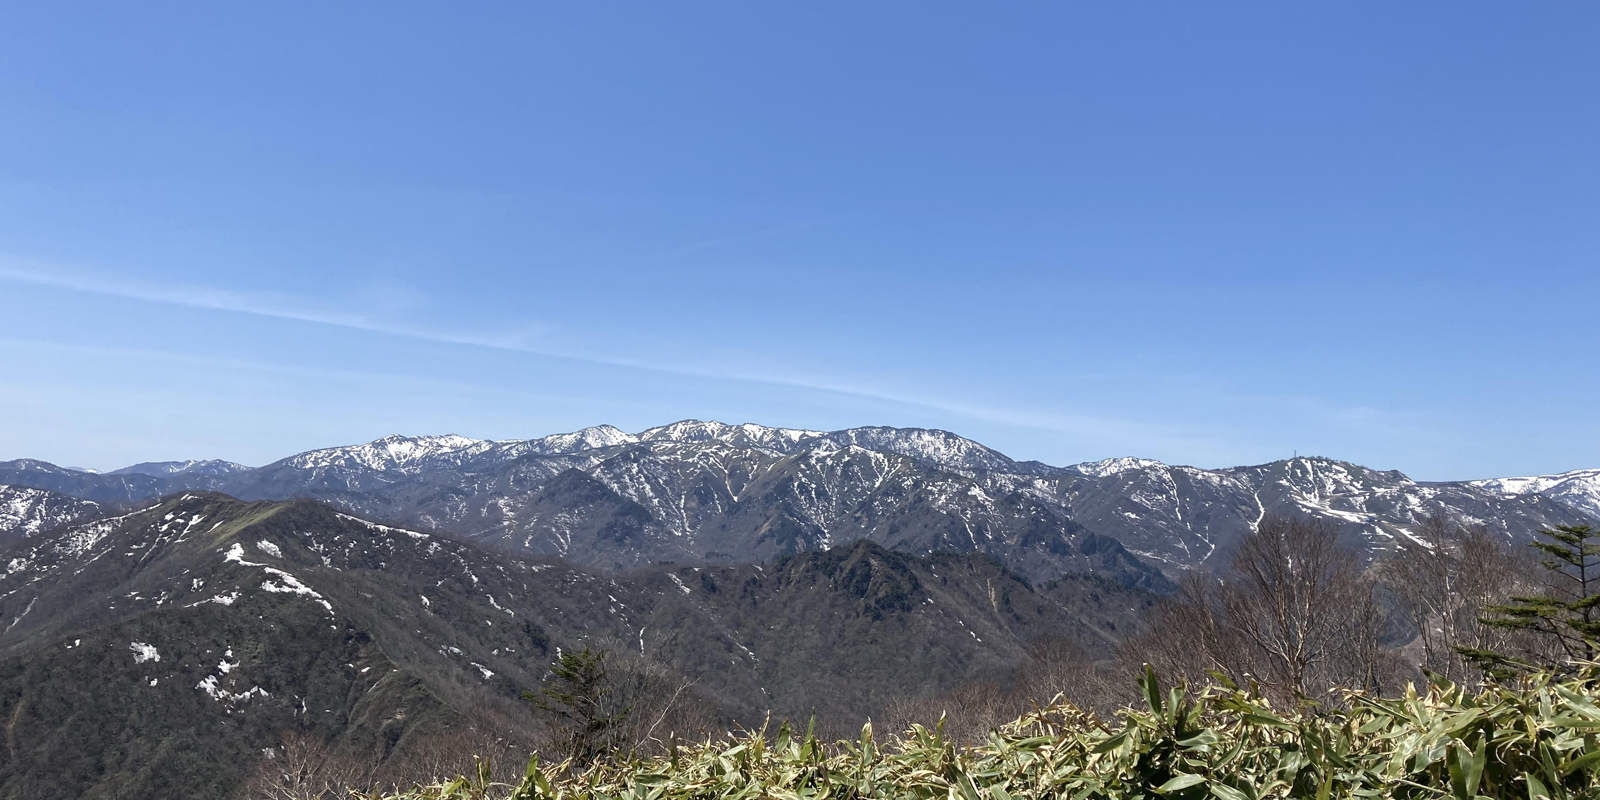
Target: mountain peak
x,y
942,449
748,434
589,438
1112,466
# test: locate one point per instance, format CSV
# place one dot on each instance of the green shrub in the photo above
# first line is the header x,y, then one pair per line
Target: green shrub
x,y
1534,740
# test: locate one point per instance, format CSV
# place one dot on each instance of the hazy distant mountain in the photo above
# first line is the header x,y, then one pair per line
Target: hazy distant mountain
x,y
86,485
708,492
214,625
161,468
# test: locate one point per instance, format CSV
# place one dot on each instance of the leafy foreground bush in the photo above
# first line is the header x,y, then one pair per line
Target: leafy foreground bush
x,y
1535,741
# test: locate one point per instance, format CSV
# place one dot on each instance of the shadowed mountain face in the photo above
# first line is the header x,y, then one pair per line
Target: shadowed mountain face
x,y
705,492
159,652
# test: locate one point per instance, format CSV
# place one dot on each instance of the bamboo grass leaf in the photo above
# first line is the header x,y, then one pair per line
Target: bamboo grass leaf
x,y
1180,783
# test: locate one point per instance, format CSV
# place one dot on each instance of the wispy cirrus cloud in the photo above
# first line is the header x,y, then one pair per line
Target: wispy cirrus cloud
x,y
274,305
284,306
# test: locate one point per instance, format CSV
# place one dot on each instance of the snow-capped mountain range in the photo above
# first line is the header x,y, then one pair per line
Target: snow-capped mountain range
x,y
1579,488
695,491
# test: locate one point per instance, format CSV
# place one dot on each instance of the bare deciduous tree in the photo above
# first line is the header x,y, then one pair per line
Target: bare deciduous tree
x,y
492,733
1189,637
304,767
1301,602
665,707
617,706
1443,578
1055,669
1295,614
969,712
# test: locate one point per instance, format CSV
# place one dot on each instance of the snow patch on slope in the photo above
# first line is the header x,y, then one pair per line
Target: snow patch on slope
x,y
27,511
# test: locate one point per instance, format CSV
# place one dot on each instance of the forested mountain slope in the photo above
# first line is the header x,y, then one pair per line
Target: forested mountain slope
x,y
161,652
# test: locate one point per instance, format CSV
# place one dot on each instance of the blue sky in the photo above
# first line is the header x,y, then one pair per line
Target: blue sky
x,y
1206,233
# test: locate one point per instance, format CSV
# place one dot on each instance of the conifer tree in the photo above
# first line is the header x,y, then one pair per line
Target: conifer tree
x,y
579,696
1566,617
